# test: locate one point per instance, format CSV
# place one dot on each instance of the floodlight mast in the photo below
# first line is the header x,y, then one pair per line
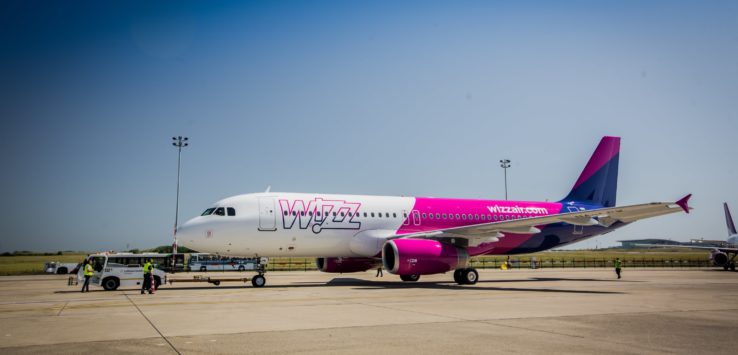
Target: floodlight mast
x,y
178,142
505,163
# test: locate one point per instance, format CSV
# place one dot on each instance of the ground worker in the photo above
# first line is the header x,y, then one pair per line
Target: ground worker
x,y
146,284
617,266
87,269
379,272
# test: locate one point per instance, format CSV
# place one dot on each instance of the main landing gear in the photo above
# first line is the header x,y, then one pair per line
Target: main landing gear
x,y
466,276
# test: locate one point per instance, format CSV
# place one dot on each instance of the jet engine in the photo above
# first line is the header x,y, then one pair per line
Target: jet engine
x,y
422,257
719,258
342,265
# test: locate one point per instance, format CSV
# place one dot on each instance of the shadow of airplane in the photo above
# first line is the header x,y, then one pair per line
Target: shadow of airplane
x,y
362,284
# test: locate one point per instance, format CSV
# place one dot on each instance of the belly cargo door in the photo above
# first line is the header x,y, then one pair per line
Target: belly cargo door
x,y
267,217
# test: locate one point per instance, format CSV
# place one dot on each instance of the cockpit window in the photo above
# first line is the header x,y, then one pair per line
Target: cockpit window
x,y
208,212
220,211
231,211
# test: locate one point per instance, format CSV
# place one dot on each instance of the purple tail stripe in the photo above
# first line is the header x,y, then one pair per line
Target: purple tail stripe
x,y
606,150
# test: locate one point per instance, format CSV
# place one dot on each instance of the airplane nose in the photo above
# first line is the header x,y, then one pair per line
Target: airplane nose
x,y
186,232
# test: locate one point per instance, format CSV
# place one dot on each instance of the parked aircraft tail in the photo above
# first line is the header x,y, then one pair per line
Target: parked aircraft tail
x,y
598,182
729,220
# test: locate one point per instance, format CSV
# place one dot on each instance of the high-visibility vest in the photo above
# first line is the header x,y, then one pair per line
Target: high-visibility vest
x,y
617,264
147,268
88,270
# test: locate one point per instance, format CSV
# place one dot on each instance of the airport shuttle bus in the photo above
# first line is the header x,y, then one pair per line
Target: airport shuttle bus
x,y
209,262
112,271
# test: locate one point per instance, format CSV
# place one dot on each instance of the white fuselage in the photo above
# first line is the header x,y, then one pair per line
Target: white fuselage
x,y
296,224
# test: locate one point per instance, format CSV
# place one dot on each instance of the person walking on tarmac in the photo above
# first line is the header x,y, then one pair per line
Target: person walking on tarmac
x,y
87,270
146,284
379,272
618,266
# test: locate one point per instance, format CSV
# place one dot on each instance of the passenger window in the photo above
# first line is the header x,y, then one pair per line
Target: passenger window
x,y
365,214
342,214
444,216
302,213
484,217
285,213
405,214
386,214
334,214
220,211
310,213
231,211
372,214
394,215
379,214
424,215
294,213
463,216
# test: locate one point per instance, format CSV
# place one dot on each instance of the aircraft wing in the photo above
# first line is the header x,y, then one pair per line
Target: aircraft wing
x,y
491,232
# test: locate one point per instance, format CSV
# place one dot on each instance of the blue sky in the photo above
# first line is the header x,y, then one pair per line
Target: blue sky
x,y
391,98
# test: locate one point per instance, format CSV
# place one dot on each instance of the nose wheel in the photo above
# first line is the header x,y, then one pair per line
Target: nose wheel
x,y
258,281
466,276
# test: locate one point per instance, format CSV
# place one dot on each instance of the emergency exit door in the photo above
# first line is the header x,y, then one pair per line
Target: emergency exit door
x,y
267,217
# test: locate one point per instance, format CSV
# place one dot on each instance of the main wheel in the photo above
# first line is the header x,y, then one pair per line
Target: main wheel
x,y
241,268
157,282
203,269
61,270
732,266
469,276
726,267
258,281
110,284
410,278
457,276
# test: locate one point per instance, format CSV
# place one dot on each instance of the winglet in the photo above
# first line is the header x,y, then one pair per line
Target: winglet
x,y
683,203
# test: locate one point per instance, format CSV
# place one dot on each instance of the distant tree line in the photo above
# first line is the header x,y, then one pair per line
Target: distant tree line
x,y
159,249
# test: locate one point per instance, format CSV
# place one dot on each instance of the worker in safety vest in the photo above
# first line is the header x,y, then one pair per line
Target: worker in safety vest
x,y
618,265
87,269
146,284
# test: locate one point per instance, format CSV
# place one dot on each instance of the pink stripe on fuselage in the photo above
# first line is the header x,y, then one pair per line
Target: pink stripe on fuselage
x,y
606,150
428,215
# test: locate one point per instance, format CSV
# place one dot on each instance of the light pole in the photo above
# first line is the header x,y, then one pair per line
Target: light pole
x,y
505,163
179,142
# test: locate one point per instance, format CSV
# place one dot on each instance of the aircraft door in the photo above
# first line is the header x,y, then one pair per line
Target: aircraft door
x,y
578,230
267,216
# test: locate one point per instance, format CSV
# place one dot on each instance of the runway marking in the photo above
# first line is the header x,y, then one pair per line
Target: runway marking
x,y
62,309
152,324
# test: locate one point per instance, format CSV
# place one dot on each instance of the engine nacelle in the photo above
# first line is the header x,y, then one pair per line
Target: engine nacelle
x,y
719,258
422,257
345,265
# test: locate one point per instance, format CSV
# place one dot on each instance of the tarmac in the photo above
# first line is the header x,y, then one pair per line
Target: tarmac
x,y
510,312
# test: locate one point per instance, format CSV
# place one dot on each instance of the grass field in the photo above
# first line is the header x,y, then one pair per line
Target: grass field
x,y
27,265
574,258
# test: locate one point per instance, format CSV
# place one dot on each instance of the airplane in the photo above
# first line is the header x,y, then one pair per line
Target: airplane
x,y
720,256
414,236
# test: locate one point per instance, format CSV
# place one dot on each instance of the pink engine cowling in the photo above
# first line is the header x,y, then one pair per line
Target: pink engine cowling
x,y
422,257
346,264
